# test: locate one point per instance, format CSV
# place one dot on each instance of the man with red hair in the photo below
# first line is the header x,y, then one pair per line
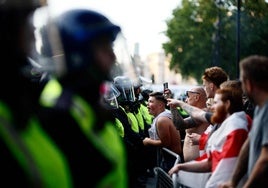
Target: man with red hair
x,y
223,146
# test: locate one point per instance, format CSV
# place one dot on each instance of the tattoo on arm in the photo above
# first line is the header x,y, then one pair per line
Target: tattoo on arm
x,y
188,108
190,122
198,115
177,119
204,119
180,122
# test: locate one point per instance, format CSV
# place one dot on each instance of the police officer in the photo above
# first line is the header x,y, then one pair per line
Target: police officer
x,y
138,154
29,158
75,118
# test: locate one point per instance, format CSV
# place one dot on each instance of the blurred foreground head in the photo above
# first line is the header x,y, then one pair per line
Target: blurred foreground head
x,y
254,76
16,32
18,5
83,42
78,41
17,39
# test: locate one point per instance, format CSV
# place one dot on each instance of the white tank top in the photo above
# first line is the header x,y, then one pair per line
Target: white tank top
x,y
153,131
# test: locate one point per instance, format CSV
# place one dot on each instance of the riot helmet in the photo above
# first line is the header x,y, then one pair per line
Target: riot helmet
x,y
126,89
110,94
142,84
78,29
73,38
19,5
16,21
68,46
16,33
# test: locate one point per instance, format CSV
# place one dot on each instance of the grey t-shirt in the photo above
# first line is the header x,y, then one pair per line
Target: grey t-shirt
x,y
258,135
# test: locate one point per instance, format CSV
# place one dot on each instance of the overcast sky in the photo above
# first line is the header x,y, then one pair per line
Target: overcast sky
x,y
142,21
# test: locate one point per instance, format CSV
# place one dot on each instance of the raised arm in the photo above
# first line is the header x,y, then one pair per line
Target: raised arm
x,y
198,115
180,122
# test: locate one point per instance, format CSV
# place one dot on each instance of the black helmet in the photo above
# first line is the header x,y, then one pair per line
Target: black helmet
x,y
126,89
71,37
110,94
77,29
15,16
21,5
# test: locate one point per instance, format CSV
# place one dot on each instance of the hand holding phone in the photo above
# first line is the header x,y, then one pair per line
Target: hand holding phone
x,y
166,92
165,85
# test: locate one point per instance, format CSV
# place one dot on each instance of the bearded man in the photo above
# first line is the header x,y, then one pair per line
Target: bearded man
x,y
229,132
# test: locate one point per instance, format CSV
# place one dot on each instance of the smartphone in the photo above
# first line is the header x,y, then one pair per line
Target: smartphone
x,y
165,85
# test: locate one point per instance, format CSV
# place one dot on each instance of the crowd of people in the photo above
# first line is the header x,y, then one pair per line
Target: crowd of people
x,y
69,108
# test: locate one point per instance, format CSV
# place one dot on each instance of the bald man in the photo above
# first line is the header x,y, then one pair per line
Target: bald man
x,y
196,96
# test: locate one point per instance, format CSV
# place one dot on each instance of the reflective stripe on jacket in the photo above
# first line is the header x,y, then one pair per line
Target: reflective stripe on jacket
x,y
35,152
107,141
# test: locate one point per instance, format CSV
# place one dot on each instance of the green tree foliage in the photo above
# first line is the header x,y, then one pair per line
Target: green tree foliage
x,y
203,33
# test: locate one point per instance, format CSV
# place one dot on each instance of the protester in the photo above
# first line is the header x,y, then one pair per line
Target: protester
x,y
230,122
179,116
196,96
198,116
253,158
212,78
162,133
82,51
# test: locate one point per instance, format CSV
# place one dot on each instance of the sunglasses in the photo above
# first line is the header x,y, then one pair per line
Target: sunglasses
x,y
187,93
